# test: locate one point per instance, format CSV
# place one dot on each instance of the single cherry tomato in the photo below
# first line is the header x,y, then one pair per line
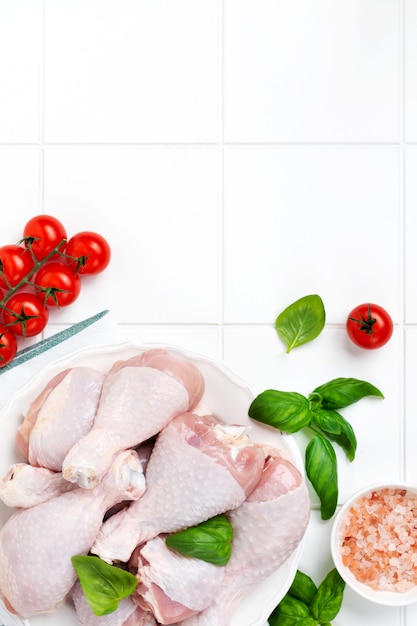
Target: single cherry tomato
x,y
43,233
57,284
8,346
15,263
91,251
369,326
25,314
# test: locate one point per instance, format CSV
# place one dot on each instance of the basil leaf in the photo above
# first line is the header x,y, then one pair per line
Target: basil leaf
x,y
342,392
289,411
301,322
327,602
209,541
337,429
321,469
291,612
103,585
302,588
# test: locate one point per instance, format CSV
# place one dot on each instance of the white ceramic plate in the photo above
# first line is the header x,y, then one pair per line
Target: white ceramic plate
x,y
227,396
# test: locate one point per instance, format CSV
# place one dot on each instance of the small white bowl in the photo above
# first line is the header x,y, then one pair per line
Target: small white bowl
x,y
384,597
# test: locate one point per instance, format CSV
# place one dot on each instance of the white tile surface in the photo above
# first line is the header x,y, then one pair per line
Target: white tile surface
x,y
312,71
237,155
410,403
20,70
410,25
19,189
410,227
131,71
310,220
159,207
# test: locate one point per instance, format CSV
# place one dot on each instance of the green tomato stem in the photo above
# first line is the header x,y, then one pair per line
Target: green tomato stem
x,y
26,279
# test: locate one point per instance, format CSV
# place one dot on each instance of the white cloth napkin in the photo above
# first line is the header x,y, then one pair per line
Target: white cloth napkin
x,y
95,331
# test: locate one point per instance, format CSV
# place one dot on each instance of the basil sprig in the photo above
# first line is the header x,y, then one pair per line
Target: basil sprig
x,y
103,585
209,541
291,412
305,604
321,470
301,322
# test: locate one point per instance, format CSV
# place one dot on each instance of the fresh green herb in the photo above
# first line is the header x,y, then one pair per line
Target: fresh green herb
x,y
321,469
285,410
209,541
302,588
103,585
308,605
337,429
326,603
341,392
301,322
291,412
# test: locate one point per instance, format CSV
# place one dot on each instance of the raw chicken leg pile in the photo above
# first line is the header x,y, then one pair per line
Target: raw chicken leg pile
x,y
114,463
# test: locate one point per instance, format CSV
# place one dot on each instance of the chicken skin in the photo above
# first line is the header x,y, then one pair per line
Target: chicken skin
x,y
139,397
61,414
24,485
36,544
267,527
199,467
174,587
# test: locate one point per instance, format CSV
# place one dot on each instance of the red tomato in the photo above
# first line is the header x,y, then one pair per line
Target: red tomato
x,y
15,263
57,284
25,314
8,346
43,233
369,326
91,251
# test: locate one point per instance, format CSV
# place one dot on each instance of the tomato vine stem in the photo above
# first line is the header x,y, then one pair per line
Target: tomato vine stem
x,y
365,323
37,265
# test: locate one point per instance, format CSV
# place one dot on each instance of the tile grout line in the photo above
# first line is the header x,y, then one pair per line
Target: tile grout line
x,y
213,144
220,145
402,260
41,143
41,135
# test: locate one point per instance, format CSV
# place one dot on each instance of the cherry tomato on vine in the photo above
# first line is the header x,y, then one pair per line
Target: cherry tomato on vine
x,y
91,250
369,326
25,314
15,263
8,346
43,233
57,284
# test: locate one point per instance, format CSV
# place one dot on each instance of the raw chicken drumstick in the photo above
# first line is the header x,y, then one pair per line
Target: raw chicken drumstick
x,y
172,586
199,467
36,544
60,415
24,486
139,397
267,527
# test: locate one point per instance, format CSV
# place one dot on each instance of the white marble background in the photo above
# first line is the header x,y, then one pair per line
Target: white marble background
x,y
237,154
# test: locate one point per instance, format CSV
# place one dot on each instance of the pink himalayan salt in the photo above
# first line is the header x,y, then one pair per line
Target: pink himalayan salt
x,y
379,539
